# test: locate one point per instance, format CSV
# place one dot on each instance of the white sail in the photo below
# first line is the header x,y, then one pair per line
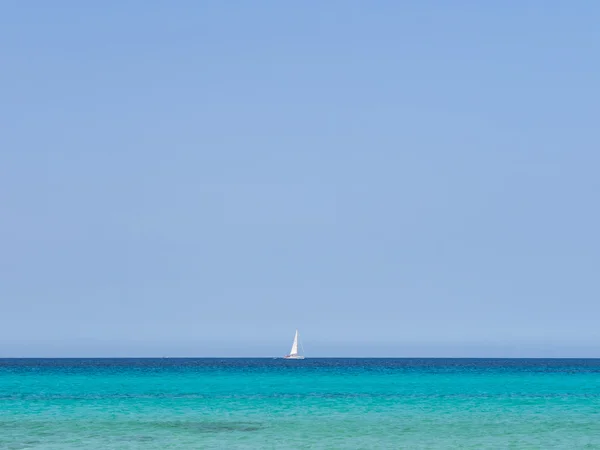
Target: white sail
x,y
294,350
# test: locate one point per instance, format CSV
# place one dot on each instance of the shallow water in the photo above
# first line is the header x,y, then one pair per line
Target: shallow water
x,y
314,403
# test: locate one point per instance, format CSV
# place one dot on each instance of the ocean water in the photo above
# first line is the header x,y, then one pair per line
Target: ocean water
x,y
316,403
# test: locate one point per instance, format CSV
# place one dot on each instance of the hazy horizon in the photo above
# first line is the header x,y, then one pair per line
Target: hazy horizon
x,y
118,349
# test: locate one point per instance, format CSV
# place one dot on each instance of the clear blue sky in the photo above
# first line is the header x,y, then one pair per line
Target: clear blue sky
x,y
201,178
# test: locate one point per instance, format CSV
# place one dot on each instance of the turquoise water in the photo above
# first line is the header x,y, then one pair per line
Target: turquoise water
x,y
315,403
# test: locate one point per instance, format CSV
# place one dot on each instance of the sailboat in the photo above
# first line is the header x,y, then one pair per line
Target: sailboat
x,y
294,352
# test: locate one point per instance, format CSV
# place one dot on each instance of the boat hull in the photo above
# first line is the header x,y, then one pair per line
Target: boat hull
x,y
293,357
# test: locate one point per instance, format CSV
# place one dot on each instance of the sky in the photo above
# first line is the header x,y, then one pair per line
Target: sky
x,y
391,178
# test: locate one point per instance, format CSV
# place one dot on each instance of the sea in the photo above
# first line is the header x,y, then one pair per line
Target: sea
x,y
303,404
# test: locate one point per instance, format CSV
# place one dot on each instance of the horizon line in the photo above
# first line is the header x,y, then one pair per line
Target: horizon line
x,y
311,357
